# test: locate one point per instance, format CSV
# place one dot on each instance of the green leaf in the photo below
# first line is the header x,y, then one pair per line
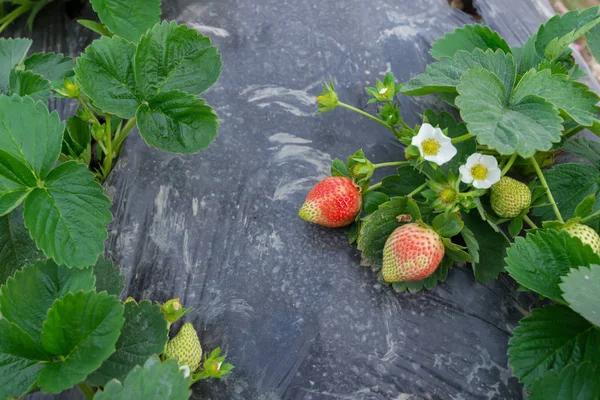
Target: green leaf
x,y
468,38
155,380
105,73
372,201
21,360
338,168
108,277
129,19
592,39
67,217
581,289
30,134
144,334
515,227
12,53
177,122
172,56
506,123
35,288
77,140
95,27
572,98
53,67
529,57
574,382
445,75
539,260
549,340
555,35
82,328
16,246
16,181
407,180
440,275
586,207
585,148
379,225
27,83
570,184
447,225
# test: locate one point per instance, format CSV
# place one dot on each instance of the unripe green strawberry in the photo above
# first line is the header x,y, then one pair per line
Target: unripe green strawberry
x,y
411,253
185,347
510,197
333,202
586,234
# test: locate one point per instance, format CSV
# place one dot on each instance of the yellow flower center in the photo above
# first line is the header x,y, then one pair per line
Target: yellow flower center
x,y
448,195
479,172
430,147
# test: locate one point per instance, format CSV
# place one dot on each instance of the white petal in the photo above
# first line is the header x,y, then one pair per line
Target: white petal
x,y
494,175
465,174
472,160
483,184
489,162
444,155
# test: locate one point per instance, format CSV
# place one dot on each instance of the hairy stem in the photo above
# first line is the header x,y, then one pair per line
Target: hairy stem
x,y
366,114
529,222
375,186
123,134
540,175
14,14
462,138
417,190
87,108
509,164
390,164
109,149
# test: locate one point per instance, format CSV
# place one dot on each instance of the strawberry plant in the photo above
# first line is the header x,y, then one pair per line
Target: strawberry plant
x,y
478,185
61,320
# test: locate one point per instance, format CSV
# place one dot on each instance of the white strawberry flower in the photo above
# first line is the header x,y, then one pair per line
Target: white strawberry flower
x,y
480,170
433,145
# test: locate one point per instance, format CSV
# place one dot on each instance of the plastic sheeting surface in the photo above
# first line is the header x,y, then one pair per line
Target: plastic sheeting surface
x,y
286,300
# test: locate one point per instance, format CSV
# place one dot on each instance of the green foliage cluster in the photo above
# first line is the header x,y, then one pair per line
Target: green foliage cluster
x,y
62,322
519,108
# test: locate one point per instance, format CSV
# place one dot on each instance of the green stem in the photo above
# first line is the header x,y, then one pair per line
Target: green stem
x,y
361,112
405,125
529,222
85,106
509,164
14,14
471,193
573,131
390,164
109,149
462,138
375,186
540,175
123,134
417,190
89,393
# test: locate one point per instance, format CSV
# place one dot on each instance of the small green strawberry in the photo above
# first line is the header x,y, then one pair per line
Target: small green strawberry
x,y
510,197
586,234
411,253
185,347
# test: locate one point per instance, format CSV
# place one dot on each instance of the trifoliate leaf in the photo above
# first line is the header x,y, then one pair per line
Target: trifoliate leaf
x,y
16,246
16,181
378,226
486,247
581,289
27,83
574,382
529,57
172,56
404,182
570,184
35,288
144,334
21,360
539,260
30,134
177,122
12,53
555,35
439,275
372,200
508,124
105,73
67,217
52,66
129,19
549,340
588,149
108,277
155,380
445,75
82,328
573,98
468,38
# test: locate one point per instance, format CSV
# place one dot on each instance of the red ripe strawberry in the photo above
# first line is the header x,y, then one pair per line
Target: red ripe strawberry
x,y
333,202
411,253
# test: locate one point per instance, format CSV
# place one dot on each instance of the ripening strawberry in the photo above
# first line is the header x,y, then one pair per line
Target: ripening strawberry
x,y
185,347
510,197
411,253
333,202
586,234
